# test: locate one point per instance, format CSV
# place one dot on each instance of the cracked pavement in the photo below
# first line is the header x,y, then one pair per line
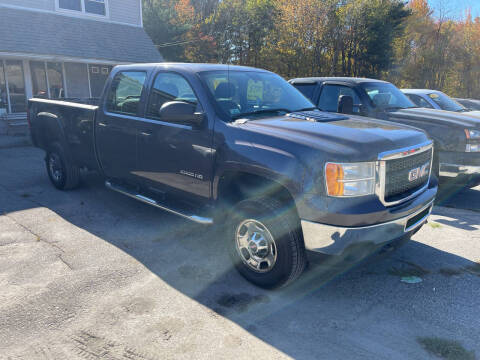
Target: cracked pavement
x,y
92,274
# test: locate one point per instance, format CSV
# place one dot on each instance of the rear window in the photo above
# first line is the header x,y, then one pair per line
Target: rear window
x,y
125,92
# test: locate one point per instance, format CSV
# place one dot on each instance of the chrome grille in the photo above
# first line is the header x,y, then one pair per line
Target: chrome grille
x,y
395,181
397,173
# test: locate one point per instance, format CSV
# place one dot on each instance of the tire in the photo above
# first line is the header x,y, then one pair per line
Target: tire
x,y
63,174
257,222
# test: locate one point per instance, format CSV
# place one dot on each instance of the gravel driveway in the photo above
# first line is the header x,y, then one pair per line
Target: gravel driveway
x,y
92,274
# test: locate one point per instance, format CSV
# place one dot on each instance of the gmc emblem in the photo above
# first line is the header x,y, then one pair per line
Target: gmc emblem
x,y
419,172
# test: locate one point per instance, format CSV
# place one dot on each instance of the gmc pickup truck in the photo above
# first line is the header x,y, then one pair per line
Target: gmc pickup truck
x,y
242,148
456,136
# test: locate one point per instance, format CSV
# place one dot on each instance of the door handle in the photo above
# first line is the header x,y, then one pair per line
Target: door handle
x,y
145,133
102,124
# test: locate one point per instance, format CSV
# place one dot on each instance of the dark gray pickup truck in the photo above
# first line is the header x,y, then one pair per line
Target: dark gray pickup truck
x,y
242,148
456,135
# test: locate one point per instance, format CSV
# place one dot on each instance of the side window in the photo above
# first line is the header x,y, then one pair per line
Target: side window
x,y
307,90
169,87
419,101
125,92
331,94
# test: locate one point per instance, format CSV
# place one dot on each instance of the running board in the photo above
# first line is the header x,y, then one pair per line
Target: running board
x,y
134,194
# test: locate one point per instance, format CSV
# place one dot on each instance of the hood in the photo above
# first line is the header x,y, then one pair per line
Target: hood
x,y
346,138
472,113
464,119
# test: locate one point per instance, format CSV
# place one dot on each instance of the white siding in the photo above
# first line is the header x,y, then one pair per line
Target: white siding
x,y
32,4
125,11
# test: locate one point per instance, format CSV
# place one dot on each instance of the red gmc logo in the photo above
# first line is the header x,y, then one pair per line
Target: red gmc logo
x,y
419,172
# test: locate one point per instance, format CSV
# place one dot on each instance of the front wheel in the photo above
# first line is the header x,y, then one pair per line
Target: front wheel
x,y
63,174
265,242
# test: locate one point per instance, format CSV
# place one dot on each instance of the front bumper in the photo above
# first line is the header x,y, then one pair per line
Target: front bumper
x,y
457,170
334,240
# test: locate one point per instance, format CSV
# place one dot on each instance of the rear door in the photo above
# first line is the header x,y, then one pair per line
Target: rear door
x,y
116,141
174,158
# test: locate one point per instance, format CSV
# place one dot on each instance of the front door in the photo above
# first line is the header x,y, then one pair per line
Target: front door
x,y
116,126
174,158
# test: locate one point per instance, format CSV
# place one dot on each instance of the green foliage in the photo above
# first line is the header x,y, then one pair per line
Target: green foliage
x,y
158,21
386,39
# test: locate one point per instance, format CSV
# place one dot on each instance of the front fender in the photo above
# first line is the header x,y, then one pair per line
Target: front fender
x,y
268,162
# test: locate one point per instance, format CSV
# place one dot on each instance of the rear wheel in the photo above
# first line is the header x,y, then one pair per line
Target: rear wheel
x,y
63,174
265,242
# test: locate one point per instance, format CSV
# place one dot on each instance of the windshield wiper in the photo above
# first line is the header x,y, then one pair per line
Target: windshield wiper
x,y
264,111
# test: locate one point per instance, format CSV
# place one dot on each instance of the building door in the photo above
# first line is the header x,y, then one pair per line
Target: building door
x,y
12,87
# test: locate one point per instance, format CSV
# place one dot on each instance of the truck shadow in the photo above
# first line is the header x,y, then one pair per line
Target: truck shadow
x,y
313,318
460,198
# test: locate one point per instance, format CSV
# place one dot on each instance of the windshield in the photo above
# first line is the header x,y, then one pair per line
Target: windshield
x,y
387,96
445,102
253,94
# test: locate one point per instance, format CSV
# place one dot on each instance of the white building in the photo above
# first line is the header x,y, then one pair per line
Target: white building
x,y
64,49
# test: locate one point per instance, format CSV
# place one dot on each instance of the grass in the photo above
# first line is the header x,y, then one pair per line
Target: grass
x,y
434,225
445,349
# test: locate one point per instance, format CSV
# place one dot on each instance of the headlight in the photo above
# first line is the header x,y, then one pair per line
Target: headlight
x,y
472,135
353,179
473,148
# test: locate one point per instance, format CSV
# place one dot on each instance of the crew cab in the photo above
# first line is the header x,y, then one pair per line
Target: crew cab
x,y
456,135
242,149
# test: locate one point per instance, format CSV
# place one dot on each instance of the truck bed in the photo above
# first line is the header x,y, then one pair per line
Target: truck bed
x,y
69,120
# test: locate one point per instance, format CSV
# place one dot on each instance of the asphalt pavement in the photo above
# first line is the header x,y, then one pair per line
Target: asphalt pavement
x,y
92,274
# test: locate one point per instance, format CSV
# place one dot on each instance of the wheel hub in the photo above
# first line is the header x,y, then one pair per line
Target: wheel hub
x,y
256,245
55,166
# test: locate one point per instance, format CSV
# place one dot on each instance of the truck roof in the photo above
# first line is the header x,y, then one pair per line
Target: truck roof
x,y
189,67
420,91
349,80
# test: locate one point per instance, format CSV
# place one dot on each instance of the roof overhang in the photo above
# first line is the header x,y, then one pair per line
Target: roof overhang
x,y
57,58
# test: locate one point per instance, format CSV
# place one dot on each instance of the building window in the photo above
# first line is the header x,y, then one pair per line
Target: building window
x,y
47,80
89,7
3,91
12,87
95,7
55,80
76,76
70,4
98,77
16,86
39,79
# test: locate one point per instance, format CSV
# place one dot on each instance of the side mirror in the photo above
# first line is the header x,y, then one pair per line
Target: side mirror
x,y
345,104
181,112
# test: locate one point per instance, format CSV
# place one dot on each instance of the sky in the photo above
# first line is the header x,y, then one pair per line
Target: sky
x,y
456,8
